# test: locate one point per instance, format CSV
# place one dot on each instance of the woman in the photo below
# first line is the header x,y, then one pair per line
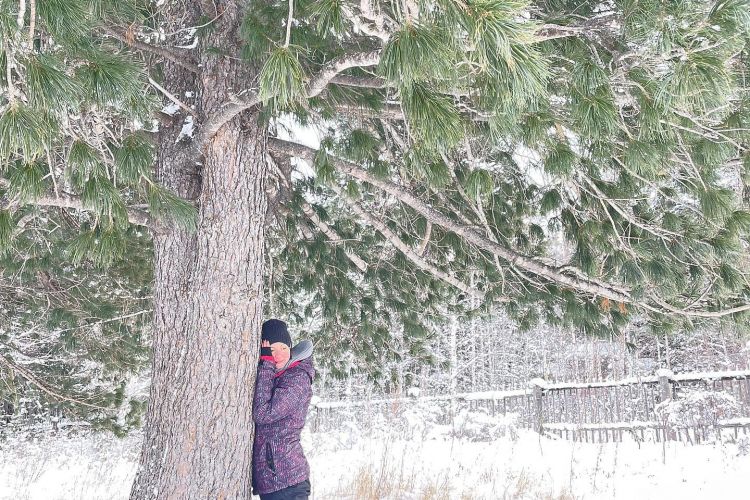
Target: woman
x,y
283,390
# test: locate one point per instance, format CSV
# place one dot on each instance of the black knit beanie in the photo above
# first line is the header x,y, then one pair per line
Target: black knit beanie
x,y
274,330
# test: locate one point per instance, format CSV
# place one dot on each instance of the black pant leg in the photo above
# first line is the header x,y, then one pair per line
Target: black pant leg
x,y
299,491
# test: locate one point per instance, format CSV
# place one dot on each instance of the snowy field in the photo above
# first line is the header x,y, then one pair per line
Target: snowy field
x,y
432,466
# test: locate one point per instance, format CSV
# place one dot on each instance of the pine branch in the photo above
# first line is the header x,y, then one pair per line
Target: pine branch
x,y
579,282
425,239
172,97
479,211
108,320
470,234
21,14
710,133
319,82
656,231
32,21
699,314
410,254
64,200
9,75
316,85
365,82
33,380
389,111
146,47
332,235
289,20
608,23
309,211
476,208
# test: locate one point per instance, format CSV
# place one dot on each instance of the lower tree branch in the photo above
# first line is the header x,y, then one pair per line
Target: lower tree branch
x,y
698,314
332,235
137,217
359,81
470,234
410,254
13,367
161,51
579,282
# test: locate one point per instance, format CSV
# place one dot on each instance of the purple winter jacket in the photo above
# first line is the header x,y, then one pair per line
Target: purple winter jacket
x,y
279,410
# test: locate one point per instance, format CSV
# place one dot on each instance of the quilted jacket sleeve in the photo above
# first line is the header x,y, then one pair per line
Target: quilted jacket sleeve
x,y
271,405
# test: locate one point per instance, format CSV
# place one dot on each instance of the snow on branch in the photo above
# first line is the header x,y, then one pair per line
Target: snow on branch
x,y
130,40
13,367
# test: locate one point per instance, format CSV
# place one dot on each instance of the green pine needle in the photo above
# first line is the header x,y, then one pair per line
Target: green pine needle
x,y
560,161
731,278
437,174
595,114
479,184
418,52
133,159
644,159
699,83
324,170
733,14
282,79
24,132
166,206
432,116
102,246
361,146
101,196
588,77
83,161
110,79
551,201
328,15
7,228
739,222
26,181
49,86
711,153
66,20
717,204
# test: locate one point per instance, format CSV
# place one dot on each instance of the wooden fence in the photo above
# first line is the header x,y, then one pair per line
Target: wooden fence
x,y
689,407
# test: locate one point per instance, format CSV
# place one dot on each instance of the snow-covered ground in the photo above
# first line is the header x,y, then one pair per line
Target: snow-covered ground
x,y
350,465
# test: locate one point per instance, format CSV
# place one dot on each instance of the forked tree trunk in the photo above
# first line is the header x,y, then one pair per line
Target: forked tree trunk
x,y
208,286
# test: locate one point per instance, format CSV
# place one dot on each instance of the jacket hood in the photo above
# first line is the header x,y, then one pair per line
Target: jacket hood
x,y
307,366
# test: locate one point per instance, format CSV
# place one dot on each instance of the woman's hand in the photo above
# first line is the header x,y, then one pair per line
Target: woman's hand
x,y
265,349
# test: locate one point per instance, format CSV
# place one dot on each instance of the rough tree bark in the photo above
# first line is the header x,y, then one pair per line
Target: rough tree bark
x,y
208,285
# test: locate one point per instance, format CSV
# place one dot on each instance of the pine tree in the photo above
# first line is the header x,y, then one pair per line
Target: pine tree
x,y
73,335
574,162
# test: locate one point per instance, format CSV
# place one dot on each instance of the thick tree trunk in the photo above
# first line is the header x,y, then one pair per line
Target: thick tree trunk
x,y
208,289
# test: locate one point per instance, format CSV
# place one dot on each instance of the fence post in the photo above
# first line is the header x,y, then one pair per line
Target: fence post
x,y
665,394
665,385
538,386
